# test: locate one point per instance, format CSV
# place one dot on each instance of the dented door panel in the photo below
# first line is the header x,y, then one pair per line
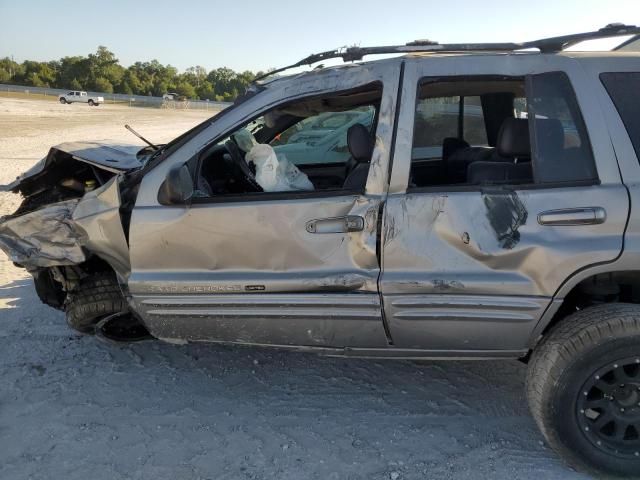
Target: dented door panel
x,y
290,284
255,246
258,251
472,267
476,244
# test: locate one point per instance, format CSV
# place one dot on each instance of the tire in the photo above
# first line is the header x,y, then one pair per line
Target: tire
x,y
587,369
95,298
63,101
91,103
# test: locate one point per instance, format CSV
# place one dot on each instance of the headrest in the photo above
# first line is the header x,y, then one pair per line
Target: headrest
x,y
513,138
360,143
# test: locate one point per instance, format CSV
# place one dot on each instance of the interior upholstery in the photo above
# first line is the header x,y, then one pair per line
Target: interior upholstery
x,y
513,138
360,144
513,148
450,145
458,163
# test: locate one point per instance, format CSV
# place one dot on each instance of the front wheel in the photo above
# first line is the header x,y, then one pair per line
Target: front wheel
x,y
583,387
63,101
96,298
91,103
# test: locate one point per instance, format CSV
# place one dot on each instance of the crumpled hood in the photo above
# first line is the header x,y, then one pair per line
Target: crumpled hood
x,y
113,158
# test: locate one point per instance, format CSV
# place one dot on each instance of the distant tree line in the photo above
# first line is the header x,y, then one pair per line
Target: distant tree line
x,y
101,72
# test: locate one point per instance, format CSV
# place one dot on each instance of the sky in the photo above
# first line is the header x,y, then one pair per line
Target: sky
x,y
257,35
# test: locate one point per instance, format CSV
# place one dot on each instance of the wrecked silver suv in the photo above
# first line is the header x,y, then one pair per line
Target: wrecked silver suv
x,y
460,201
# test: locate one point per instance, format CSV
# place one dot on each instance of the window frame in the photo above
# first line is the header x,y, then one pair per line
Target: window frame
x,y
527,78
288,195
635,143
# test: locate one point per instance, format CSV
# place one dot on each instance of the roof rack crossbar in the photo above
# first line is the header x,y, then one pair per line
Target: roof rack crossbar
x,y
545,45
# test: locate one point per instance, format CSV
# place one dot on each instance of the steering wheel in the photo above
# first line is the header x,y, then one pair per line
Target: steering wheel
x,y
241,170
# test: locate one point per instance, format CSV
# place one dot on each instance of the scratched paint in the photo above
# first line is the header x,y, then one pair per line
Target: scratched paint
x,y
506,214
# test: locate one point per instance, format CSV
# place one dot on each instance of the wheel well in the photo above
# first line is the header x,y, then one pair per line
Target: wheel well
x,y
610,287
54,283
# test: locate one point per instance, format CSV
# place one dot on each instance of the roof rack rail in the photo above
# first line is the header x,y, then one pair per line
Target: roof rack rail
x,y
545,45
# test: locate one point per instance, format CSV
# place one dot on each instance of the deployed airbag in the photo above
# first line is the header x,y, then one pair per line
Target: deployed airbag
x,y
274,173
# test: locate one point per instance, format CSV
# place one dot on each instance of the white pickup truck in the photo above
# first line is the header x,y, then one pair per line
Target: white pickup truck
x,y
82,97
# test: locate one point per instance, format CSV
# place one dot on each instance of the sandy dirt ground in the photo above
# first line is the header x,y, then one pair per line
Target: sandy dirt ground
x,y
72,407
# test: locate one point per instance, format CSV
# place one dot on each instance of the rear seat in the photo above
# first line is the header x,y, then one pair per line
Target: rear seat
x,y
457,154
511,160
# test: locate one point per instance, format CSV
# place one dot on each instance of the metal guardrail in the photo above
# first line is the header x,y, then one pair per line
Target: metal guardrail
x,y
119,98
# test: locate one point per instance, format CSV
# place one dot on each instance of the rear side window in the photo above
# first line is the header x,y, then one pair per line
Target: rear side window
x,y
560,145
624,90
473,127
445,117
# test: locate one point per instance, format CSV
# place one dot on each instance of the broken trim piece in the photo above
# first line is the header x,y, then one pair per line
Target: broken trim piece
x,y
61,233
43,238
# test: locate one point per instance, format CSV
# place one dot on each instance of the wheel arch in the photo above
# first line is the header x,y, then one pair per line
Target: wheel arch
x,y
592,286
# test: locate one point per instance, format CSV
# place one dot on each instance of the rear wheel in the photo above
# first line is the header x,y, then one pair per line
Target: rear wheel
x,y
583,387
91,103
96,298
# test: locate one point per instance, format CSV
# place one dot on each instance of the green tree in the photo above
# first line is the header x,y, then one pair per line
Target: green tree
x,y
102,85
130,83
11,69
104,64
102,71
205,91
34,80
186,89
72,68
221,79
75,84
5,76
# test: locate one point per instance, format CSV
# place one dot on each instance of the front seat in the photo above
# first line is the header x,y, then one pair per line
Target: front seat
x,y
360,144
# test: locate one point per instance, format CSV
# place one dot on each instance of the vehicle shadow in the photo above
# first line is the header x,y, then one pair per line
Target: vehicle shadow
x,y
75,406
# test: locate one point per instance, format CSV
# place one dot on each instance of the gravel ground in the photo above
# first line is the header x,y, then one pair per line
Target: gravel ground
x,y
73,407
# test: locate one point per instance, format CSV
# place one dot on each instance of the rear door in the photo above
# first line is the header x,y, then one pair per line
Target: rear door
x,y
471,264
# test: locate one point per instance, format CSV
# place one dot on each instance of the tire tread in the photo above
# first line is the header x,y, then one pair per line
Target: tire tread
x,y
575,334
96,297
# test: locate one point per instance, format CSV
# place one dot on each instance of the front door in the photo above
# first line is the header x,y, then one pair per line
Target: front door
x,y
293,264
504,185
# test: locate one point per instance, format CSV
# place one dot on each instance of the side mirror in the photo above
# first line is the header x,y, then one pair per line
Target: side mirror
x,y
177,188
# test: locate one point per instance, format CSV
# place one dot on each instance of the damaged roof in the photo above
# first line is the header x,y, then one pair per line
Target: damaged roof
x,y
543,45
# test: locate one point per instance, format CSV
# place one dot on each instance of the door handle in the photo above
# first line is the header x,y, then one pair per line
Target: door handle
x,y
573,216
348,223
